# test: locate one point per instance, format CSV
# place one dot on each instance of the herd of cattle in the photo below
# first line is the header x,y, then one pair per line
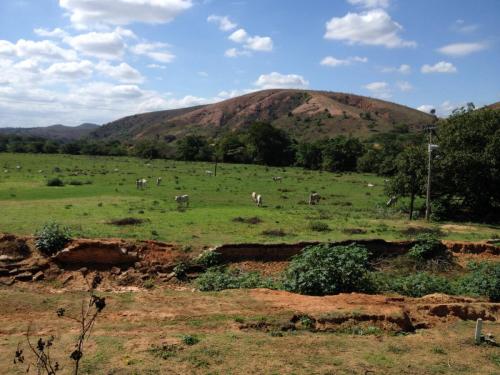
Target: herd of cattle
x,y
181,200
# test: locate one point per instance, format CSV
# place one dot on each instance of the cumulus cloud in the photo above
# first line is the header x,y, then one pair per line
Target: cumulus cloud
x,y
55,33
103,45
252,43
404,86
374,27
278,80
85,13
334,62
44,49
156,51
380,89
462,49
70,70
235,52
223,22
460,26
440,67
122,72
370,3
402,69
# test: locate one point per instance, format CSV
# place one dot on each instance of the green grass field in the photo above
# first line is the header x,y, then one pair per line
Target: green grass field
x,y
26,203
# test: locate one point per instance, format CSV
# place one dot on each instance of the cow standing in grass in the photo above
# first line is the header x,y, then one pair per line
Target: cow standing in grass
x,y
277,178
259,200
158,181
314,198
182,199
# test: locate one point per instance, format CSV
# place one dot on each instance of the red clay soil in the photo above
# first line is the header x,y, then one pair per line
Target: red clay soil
x,y
393,313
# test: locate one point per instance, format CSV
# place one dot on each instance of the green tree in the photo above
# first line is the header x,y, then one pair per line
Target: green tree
x,y
194,148
467,173
341,153
309,155
269,145
231,149
410,177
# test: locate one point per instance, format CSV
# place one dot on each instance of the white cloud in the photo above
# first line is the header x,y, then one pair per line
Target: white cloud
x,y
85,13
370,3
104,45
259,43
461,27
253,43
122,72
55,33
440,67
380,89
69,70
223,22
373,27
156,51
278,80
44,49
334,62
402,69
239,36
404,86
156,66
462,49
443,110
234,52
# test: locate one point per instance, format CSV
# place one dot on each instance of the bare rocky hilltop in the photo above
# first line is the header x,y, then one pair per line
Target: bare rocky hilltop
x,y
304,114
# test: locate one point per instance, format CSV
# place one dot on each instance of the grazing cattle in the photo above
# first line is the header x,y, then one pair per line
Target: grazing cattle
x,y
314,198
391,201
210,173
141,183
182,199
254,197
370,185
259,200
158,181
277,178
18,167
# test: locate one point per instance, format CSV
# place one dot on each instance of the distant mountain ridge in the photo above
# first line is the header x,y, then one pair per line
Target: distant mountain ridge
x,y
56,132
304,114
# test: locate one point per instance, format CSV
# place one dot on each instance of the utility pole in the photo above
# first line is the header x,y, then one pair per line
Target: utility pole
x,y
430,147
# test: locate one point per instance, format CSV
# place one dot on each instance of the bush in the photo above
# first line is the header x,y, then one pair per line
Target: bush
x,y
55,182
483,280
52,238
319,226
190,340
328,269
216,279
414,285
208,259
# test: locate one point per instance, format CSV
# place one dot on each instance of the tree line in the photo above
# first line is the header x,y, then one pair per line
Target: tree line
x,y
466,166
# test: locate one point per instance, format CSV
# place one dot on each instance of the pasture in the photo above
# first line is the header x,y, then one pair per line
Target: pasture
x,y
98,190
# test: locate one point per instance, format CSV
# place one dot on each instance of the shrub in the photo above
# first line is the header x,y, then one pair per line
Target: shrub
x,y
55,182
429,252
190,340
217,278
208,259
319,226
328,269
180,270
414,285
483,280
52,238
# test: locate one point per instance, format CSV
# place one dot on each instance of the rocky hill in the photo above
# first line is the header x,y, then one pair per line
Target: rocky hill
x,y
55,132
304,114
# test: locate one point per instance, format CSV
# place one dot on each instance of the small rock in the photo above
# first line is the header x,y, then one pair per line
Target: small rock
x,y
24,276
38,276
7,282
115,271
67,279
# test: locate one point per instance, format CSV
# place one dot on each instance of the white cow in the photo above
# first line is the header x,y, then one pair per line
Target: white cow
x,y
314,198
277,178
180,199
141,183
254,197
209,173
259,200
158,181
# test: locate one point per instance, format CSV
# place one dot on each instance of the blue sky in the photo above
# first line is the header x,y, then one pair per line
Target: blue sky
x,y
74,61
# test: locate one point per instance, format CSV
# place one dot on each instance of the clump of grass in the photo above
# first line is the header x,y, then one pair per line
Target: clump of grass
x,y
126,221
164,351
56,181
148,284
250,220
319,226
274,233
353,231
